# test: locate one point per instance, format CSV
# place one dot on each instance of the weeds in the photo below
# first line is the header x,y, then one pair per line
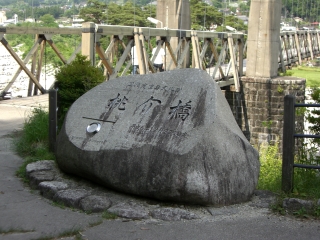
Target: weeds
x,y
109,215
59,204
98,222
306,181
301,213
270,168
33,142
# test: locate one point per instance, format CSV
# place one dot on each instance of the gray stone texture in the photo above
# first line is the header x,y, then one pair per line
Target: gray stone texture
x,y
172,214
70,197
95,203
149,146
130,210
296,204
263,38
50,188
38,172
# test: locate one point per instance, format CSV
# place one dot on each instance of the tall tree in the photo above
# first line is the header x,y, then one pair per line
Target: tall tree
x,y
203,15
95,11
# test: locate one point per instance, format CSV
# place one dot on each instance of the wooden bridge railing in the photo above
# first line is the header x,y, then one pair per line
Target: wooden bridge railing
x,y
221,54
297,46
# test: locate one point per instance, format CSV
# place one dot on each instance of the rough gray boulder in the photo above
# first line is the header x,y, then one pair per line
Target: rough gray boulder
x,y
169,136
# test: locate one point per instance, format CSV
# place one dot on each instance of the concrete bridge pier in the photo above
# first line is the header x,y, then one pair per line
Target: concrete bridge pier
x,y
262,90
175,14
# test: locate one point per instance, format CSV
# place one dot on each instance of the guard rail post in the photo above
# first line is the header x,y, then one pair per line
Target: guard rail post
x,y
52,119
288,143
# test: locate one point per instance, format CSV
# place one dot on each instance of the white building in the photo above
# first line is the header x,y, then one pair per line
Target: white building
x,y
11,21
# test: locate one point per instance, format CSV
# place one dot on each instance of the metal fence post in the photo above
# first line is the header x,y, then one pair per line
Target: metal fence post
x,y
52,119
288,143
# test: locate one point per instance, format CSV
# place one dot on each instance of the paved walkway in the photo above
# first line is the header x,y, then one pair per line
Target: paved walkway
x,y
24,214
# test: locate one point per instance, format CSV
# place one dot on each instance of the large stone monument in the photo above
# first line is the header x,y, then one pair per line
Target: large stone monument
x,y
169,136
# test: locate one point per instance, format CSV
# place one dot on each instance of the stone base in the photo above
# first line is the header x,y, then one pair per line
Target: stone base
x,y
259,106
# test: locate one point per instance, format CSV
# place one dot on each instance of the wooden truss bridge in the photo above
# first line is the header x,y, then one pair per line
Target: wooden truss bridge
x,y
221,54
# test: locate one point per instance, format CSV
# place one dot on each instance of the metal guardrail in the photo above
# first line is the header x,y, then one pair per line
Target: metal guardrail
x,y
288,141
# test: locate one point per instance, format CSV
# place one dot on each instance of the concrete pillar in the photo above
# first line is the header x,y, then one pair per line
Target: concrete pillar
x,y
174,14
88,41
263,38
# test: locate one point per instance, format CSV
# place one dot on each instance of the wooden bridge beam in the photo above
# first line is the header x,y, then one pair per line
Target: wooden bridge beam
x,y
25,61
21,63
88,41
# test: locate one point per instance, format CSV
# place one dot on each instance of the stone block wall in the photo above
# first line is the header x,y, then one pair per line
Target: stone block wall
x,y
259,107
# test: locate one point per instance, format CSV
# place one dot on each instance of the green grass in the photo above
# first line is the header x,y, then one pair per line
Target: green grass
x,y
109,215
32,143
306,182
311,74
97,223
270,168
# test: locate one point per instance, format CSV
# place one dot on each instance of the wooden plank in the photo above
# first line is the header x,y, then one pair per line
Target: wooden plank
x,y
41,30
25,61
172,53
282,63
310,44
22,65
39,65
33,69
122,59
140,56
195,50
145,56
116,30
56,50
240,56
104,58
216,56
220,60
234,63
109,49
183,54
297,47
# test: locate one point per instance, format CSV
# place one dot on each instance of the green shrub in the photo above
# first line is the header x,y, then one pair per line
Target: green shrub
x,y
73,80
270,168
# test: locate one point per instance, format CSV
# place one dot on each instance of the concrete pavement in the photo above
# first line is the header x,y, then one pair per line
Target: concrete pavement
x,y
24,214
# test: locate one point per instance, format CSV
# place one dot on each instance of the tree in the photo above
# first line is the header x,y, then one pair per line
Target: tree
x,y
94,12
202,15
48,21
